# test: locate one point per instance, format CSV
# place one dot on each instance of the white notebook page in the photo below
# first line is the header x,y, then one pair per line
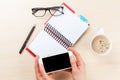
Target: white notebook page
x,y
69,25
44,45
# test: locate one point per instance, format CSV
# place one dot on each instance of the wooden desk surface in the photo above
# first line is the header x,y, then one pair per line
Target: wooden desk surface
x,y
16,21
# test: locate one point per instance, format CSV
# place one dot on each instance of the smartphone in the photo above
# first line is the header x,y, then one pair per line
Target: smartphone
x,y
57,62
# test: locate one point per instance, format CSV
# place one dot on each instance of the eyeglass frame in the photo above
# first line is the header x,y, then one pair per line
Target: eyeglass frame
x,y
34,10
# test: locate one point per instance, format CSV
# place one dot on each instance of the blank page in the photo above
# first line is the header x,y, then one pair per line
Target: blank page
x,y
69,25
44,45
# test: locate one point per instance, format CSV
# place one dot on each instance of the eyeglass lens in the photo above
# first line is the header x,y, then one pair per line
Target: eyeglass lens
x,y
39,12
59,11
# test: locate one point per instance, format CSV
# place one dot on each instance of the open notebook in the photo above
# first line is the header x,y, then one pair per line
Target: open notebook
x,y
60,32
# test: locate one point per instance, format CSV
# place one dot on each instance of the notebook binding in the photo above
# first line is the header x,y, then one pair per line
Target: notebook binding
x,y
57,36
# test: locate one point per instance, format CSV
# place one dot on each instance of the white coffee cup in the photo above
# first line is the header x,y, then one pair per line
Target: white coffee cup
x,y
100,43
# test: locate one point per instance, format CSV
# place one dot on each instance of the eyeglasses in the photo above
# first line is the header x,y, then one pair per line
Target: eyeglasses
x,y
40,12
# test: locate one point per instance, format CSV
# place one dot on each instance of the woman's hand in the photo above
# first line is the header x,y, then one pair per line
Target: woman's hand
x,y
40,71
78,66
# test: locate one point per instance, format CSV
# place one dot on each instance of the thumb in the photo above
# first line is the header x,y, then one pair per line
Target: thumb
x,y
42,71
73,63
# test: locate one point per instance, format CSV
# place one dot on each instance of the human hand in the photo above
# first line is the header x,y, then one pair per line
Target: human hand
x,y
78,66
40,71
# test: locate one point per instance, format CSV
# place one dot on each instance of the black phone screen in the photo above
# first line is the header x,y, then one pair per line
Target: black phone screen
x,y
56,62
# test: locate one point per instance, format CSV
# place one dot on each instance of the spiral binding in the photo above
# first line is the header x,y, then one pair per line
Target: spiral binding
x,y
57,36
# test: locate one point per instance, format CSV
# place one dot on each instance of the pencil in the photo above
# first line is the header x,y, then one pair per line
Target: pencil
x,y
27,39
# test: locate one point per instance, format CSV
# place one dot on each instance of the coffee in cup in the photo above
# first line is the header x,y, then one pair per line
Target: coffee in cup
x,y
101,44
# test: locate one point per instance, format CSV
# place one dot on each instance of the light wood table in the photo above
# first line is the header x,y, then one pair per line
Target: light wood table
x,y
16,21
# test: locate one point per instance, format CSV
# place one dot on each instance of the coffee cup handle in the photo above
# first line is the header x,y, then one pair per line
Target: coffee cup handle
x,y
100,31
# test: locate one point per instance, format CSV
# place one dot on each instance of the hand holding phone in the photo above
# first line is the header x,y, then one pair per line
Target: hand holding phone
x,y
77,67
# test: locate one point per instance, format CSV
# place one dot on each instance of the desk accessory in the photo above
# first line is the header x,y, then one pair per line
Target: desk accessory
x,y
27,39
60,32
100,43
41,11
